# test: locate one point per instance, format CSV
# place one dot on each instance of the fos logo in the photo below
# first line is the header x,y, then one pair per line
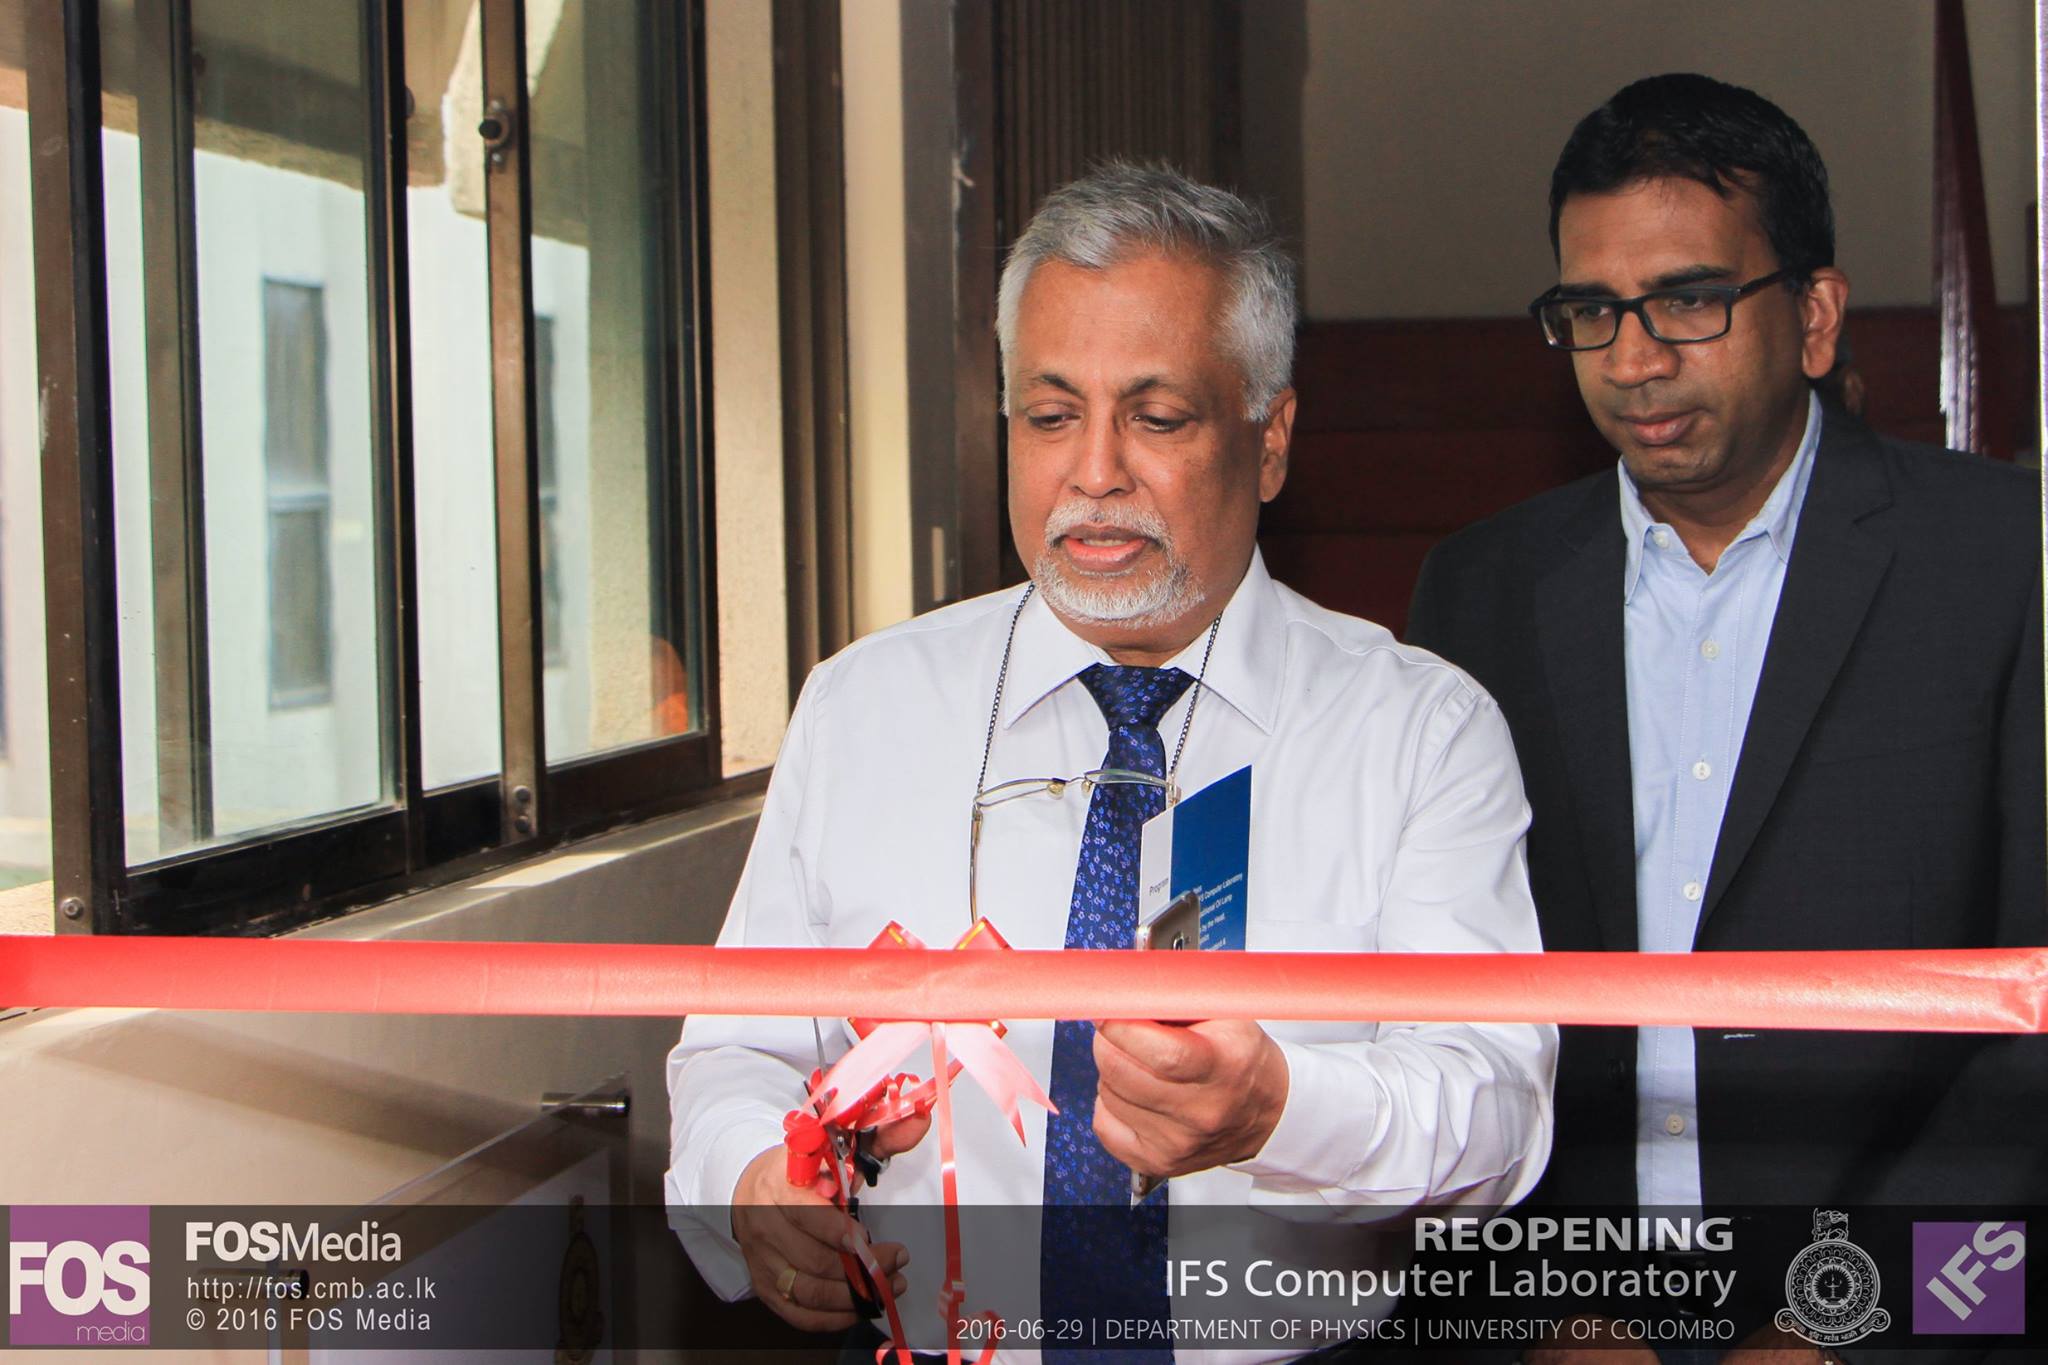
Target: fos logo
x,y
78,1276
1970,1277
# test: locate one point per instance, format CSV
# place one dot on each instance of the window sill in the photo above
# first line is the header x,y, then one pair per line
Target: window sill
x,y
28,909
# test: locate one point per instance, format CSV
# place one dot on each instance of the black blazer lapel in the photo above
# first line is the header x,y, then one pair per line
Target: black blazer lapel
x,y
1835,569
1578,629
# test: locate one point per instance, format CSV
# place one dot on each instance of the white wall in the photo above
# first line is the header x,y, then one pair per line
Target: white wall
x,y
746,402
1427,132
878,381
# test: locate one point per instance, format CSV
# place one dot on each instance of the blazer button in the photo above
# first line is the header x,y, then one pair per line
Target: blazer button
x,y
1617,1072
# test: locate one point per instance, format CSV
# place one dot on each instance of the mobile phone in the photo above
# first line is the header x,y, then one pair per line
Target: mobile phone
x,y
1177,928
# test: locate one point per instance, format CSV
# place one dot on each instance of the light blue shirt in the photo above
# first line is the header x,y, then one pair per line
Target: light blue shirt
x,y
1695,648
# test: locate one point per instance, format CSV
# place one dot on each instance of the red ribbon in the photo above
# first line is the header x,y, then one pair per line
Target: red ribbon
x,y
808,1147
1957,990
861,1072
952,997
876,1098
811,1162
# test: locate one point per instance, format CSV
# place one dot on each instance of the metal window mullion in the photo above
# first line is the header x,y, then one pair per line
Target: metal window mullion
x,y
692,522
508,209
385,178
86,817
177,509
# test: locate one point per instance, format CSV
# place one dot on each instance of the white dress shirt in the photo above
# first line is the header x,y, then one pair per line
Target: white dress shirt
x,y
1387,816
1694,644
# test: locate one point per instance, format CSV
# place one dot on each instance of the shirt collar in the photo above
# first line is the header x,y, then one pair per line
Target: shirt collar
x,y
1244,670
1778,518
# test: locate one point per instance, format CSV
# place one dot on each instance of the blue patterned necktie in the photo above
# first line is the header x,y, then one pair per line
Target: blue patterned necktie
x,y
1100,1258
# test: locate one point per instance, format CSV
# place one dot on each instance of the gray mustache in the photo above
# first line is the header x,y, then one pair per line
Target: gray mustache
x,y
1069,515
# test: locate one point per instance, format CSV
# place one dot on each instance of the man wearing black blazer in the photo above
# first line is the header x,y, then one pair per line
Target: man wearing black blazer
x,y
1775,683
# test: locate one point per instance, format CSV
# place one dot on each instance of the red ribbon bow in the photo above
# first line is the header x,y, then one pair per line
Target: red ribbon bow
x,y
859,1093
872,1097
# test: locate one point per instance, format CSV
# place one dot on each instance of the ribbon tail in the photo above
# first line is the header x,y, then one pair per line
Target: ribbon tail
x,y
951,1292
867,1064
898,1342
993,1326
997,1071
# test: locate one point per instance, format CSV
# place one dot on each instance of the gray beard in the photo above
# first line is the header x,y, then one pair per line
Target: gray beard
x,y
1162,598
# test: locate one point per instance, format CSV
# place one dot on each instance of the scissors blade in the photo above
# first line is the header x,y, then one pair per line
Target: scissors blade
x,y
833,1133
866,1298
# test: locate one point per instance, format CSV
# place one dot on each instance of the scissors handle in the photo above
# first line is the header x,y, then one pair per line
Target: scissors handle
x,y
867,1300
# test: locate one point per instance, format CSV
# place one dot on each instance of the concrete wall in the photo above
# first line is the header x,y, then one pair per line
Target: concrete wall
x,y
112,1106
309,1108
1410,144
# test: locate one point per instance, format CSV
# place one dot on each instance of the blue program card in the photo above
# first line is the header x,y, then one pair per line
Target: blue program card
x,y
1203,844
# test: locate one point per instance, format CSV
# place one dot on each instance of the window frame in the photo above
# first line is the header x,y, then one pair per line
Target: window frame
x,y
279,878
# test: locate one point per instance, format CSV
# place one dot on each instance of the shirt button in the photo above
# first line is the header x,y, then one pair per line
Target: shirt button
x,y
1703,770
1674,1124
1692,891
1662,538
1710,650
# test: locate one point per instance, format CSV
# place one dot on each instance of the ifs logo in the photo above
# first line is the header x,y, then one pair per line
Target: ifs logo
x,y
1970,1277
78,1276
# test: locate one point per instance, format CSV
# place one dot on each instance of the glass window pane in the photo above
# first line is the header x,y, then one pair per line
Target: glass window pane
x,y
24,715
121,183
550,491
616,580
288,721
454,484
298,707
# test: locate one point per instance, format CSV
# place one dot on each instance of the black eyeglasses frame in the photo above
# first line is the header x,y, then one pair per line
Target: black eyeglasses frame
x,y
1731,294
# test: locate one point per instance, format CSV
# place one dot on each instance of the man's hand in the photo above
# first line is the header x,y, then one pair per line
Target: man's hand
x,y
892,1139
1178,1098
791,1236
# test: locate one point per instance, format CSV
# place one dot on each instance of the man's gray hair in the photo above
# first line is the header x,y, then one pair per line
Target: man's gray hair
x,y
1121,210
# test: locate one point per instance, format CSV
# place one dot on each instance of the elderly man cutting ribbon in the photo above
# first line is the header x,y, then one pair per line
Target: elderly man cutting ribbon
x,y
1001,758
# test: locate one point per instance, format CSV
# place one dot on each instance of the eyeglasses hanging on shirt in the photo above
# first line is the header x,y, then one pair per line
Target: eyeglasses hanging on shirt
x,y
987,797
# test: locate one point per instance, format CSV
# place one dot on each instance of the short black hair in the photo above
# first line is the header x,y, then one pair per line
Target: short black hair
x,y
1723,136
